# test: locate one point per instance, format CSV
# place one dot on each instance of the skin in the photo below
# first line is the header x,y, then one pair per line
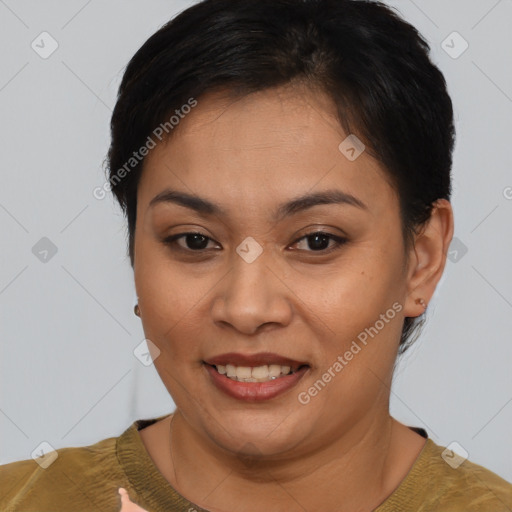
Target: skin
x,y
249,155
127,505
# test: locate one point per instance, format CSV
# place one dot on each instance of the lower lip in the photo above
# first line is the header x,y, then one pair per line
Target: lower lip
x,y
255,391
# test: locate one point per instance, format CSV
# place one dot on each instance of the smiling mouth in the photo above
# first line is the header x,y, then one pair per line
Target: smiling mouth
x,y
263,373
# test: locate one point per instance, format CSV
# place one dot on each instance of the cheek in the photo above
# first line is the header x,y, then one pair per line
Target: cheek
x,y
357,311
358,349
169,299
351,295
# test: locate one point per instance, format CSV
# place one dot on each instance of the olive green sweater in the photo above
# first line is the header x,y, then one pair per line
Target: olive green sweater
x,y
88,479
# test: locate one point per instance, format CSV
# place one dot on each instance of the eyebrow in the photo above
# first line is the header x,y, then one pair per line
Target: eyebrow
x,y
294,206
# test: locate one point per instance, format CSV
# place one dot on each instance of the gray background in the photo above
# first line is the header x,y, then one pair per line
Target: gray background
x,y
68,372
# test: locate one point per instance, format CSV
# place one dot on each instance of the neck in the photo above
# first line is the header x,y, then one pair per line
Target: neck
x,y
356,472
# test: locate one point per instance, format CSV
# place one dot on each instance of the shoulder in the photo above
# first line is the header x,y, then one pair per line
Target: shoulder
x,y
68,478
470,483
442,480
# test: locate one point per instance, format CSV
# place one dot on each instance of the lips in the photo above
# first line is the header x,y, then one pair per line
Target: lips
x,y
255,391
254,360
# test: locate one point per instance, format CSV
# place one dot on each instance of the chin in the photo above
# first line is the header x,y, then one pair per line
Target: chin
x,y
258,432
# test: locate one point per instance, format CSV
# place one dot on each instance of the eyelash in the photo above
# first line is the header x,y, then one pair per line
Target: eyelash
x,y
340,241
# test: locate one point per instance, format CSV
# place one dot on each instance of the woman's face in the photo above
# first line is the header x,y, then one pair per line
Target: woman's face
x,y
257,284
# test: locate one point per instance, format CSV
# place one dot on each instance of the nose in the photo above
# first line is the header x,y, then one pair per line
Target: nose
x,y
252,297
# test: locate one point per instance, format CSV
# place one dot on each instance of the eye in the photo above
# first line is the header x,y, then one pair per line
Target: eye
x,y
193,242
318,241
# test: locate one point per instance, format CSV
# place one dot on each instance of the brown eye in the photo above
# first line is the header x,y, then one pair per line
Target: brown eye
x,y
319,241
193,242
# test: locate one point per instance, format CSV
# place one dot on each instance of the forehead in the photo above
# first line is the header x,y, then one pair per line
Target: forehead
x,y
261,148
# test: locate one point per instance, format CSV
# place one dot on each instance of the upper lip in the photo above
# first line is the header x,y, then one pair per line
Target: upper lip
x,y
252,360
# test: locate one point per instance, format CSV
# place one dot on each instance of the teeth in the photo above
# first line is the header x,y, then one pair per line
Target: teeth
x,y
243,372
230,370
253,374
261,372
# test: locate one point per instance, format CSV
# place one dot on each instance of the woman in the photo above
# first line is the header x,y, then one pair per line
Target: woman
x,y
284,167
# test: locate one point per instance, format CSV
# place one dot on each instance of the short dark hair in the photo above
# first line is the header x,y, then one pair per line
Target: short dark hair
x,y
371,63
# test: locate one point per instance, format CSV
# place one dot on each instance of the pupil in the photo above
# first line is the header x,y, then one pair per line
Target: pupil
x,y
324,241
199,241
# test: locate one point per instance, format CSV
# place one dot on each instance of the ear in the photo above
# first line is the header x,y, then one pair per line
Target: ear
x,y
427,258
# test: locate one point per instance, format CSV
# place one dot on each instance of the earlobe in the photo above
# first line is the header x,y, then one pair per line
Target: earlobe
x,y
429,258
